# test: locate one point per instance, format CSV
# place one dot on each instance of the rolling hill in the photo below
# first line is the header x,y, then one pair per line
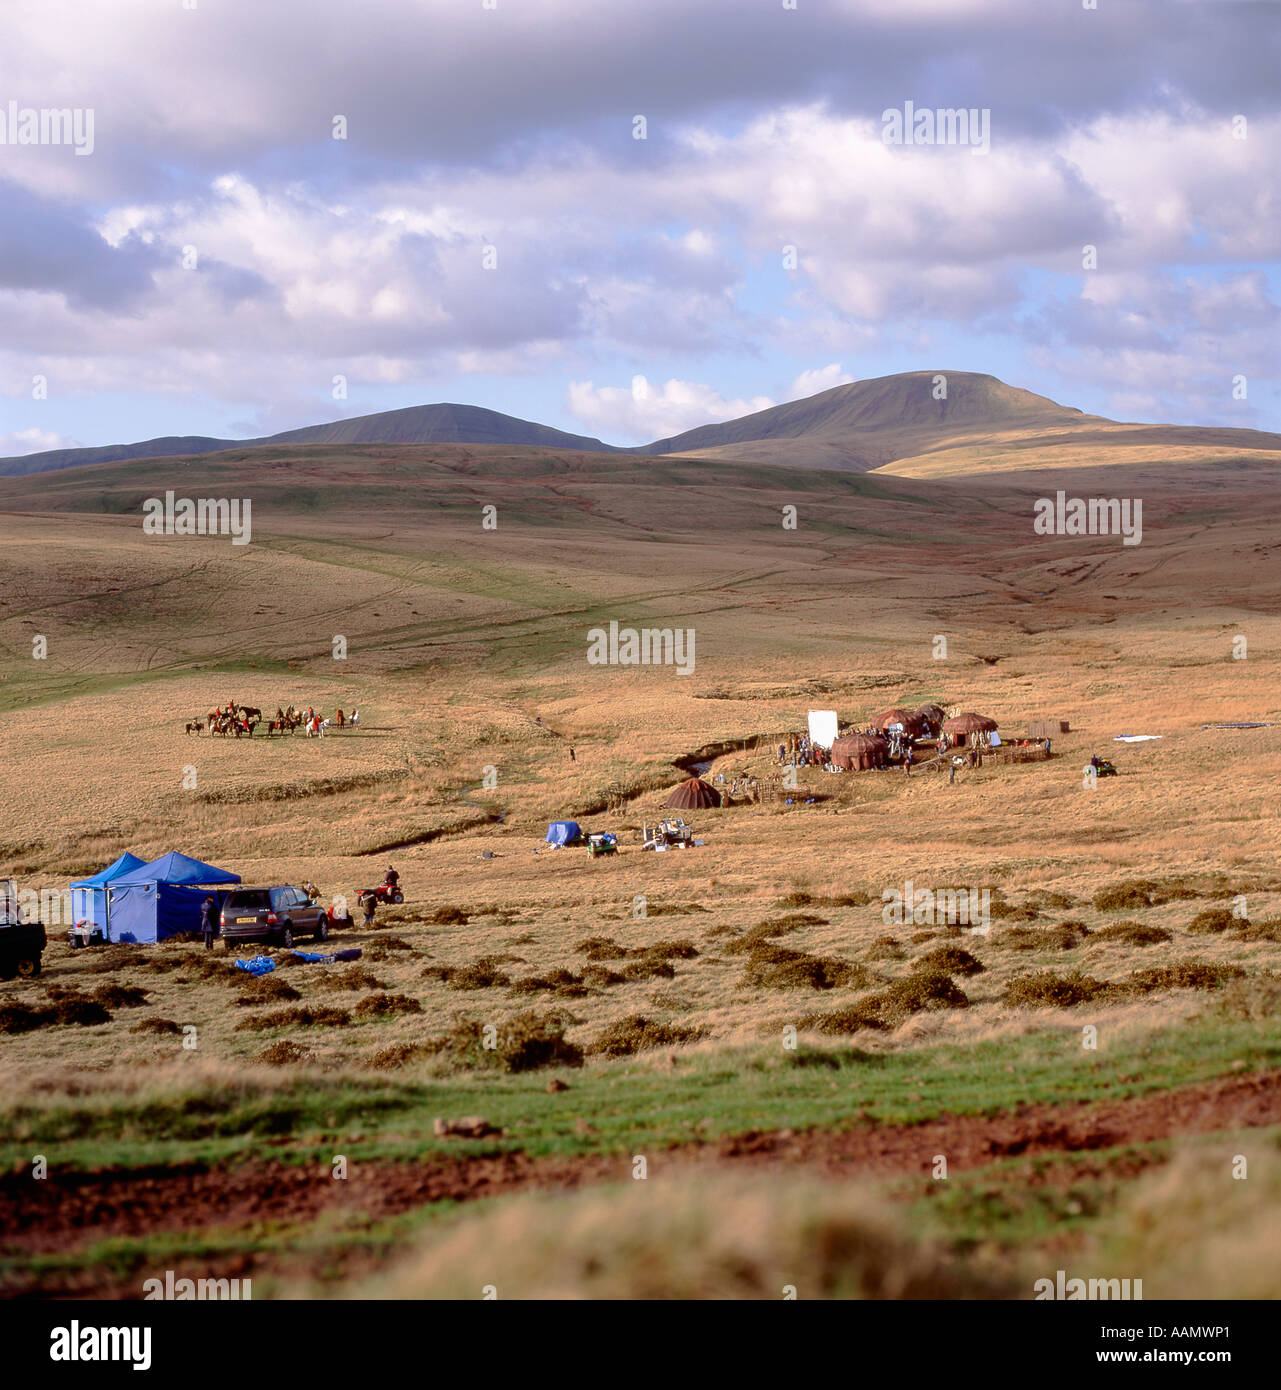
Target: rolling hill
x,y
419,424
892,424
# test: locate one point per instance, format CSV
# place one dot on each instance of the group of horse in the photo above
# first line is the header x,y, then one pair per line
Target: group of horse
x,y
242,720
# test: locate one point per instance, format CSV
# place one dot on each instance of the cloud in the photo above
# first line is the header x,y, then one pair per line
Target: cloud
x,y
32,441
820,379
641,413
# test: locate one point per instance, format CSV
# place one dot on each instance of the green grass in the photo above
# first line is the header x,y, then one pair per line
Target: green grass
x,y
630,1106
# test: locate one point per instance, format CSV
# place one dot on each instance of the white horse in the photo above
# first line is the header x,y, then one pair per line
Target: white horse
x,y
354,721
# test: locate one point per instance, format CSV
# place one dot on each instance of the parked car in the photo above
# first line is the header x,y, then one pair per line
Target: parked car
x,y
278,915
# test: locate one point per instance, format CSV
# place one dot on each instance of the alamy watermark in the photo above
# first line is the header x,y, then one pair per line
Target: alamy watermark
x,y
47,125
1061,515
945,125
647,646
938,907
198,516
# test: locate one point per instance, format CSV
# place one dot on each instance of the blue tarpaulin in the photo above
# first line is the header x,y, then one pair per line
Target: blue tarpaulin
x,y
563,832
256,965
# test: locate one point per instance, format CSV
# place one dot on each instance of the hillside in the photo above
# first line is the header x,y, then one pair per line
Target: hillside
x,y
419,424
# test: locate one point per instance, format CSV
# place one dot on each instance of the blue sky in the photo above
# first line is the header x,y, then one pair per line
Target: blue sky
x,y
219,258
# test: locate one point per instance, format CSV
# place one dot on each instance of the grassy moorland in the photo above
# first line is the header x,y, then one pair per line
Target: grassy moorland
x,y
742,1016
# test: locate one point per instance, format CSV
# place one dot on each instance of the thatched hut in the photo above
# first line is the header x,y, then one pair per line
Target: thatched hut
x,y
963,727
913,724
694,795
933,717
859,752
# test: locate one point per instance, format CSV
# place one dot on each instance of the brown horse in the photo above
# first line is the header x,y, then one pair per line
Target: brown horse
x,y
194,726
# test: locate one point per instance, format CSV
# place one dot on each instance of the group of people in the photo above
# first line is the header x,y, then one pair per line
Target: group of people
x,y
800,751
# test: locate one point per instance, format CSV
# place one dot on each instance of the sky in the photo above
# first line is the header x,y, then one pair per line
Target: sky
x,y
305,210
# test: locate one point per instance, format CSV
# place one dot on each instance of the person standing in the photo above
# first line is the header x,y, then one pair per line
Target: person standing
x,y
371,905
209,922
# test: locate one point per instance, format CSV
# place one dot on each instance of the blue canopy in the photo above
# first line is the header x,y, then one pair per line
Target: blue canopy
x,y
123,865
161,899
175,868
563,832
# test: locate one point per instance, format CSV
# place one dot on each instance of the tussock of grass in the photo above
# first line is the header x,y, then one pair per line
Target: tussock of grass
x,y
305,1016
893,1005
636,1033
266,989
1131,934
648,968
775,967
386,947
355,977
856,899
525,1042
948,960
155,1025
1065,936
386,1006
447,916
1212,919
282,1053
1045,989
485,973
887,948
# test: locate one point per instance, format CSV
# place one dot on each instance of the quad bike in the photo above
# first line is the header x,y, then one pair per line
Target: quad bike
x,y
1105,769
384,893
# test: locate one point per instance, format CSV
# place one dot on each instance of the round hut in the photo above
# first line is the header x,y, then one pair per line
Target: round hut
x,y
859,752
694,795
933,716
913,724
962,728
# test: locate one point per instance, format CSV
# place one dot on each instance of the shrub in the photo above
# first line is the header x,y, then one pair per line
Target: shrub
x,y
386,1006
948,960
155,1025
1045,989
481,974
635,1033
1131,934
1065,936
447,916
1212,919
524,1043
601,948
356,977
1192,974
775,967
266,989
602,976
397,1055
648,968
887,948
119,996
80,1011
306,1016
282,1053
672,950
384,946
22,1018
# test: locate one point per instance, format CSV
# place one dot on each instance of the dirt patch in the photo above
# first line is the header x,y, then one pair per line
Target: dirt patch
x,y
72,1209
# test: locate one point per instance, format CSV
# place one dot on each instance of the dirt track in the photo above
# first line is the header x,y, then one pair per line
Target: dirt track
x,y
66,1211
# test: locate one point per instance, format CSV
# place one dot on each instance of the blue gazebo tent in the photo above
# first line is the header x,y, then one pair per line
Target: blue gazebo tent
x,y
163,898
563,832
89,903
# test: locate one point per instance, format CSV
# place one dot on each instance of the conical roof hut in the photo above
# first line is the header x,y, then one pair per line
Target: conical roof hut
x,y
932,714
694,795
912,724
969,723
858,752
